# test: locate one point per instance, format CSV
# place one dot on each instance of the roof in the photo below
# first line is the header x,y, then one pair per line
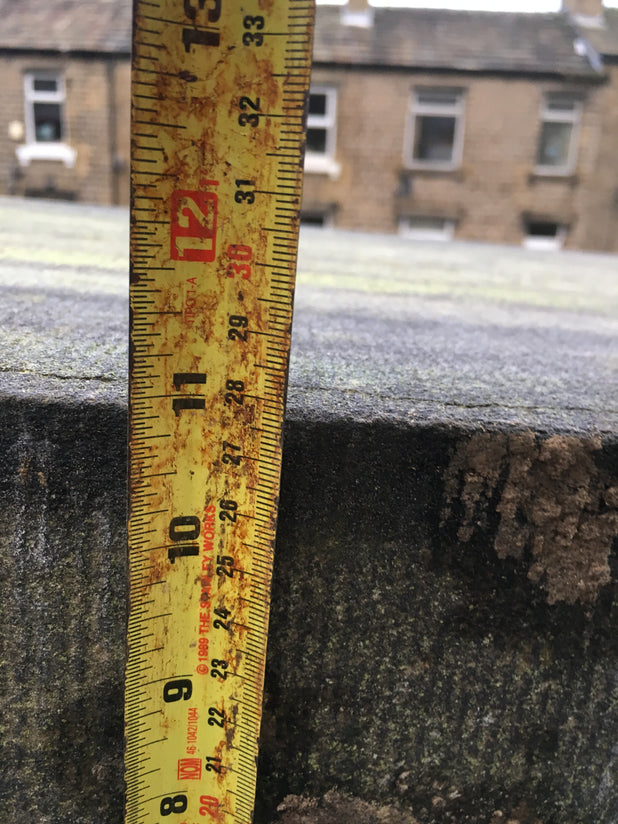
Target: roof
x,y
440,39
410,38
66,25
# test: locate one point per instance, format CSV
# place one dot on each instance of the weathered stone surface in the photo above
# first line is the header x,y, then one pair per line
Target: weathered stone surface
x,y
443,636
63,594
427,666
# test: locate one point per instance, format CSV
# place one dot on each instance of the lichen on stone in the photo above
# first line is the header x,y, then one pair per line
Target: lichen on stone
x,y
555,507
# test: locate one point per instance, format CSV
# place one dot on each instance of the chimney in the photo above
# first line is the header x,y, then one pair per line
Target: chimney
x,y
587,13
357,13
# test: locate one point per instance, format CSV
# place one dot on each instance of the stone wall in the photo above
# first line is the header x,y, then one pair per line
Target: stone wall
x,y
442,647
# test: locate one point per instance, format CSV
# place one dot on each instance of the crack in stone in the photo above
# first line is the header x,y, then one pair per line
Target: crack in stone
x,y
413,399
100,378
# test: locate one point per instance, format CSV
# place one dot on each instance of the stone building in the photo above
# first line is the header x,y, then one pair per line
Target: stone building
x,y
435,124
64,120
476,125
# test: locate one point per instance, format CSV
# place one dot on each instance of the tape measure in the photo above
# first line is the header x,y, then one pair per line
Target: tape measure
x,y
219,91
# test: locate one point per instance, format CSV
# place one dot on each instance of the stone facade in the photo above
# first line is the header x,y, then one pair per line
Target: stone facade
x,y
94,106
496,188
491,194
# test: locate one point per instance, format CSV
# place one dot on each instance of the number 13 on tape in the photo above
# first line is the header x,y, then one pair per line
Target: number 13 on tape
x,y
219,91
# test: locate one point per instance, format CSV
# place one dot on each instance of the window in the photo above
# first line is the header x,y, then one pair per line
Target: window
x,y
321,121
436,128
427,228
544,235
321,131
44,98
557,149
44,95
316,218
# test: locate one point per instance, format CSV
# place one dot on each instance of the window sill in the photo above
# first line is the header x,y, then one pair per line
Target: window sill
x,y
444,235
563,176
322,165
59,152
543,244
431,170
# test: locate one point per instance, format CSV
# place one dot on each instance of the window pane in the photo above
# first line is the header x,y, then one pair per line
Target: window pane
x,y
544,234
434,138
49,84
554,144
316,140
317,103
435,224
312,219
47,122
541,228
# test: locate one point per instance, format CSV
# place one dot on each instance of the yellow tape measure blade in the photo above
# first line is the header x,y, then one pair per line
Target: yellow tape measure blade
x,y
218,102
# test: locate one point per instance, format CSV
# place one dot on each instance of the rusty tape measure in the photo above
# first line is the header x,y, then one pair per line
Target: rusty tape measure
x,y
219,90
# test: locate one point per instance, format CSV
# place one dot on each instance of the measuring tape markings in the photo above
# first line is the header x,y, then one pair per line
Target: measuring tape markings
x,y
216,190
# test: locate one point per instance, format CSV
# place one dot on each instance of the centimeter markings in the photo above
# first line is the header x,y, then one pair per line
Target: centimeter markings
x,y
218,106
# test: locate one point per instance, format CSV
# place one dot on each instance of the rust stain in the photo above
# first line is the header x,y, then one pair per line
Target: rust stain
x,y
24,470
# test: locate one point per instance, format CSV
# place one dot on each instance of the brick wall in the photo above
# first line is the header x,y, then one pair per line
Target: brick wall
x,y
94,90
494,189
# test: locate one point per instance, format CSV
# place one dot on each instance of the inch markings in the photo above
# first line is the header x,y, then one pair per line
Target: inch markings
x,y
218,104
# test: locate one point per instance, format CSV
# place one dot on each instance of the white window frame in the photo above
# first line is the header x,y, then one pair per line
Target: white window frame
x,y
419,108
34,149
570,115
324,162
443,232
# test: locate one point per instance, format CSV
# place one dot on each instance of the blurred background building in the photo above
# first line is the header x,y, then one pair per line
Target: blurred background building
x,y
484,126
64,120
